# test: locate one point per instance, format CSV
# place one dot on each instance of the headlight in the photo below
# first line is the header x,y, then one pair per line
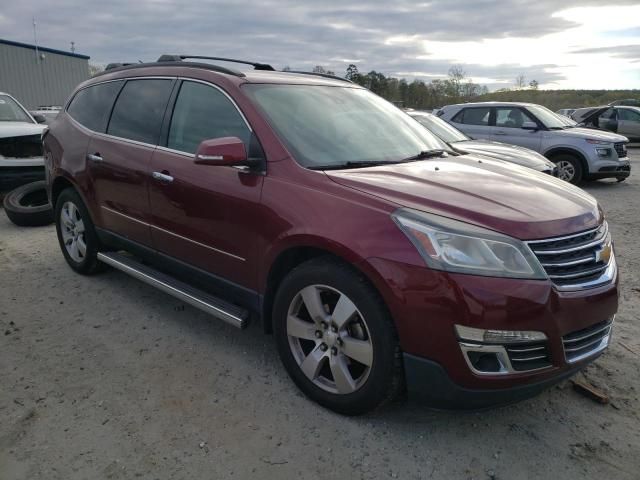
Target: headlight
x,y
597,142
455,246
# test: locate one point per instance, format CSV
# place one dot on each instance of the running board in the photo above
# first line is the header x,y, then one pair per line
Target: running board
x,y
232,314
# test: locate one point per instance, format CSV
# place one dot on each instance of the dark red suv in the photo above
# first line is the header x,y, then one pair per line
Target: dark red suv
x,y
378,258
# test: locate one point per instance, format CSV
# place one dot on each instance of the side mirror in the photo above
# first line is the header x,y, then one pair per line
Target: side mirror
x,y
227,151
39,118
529,126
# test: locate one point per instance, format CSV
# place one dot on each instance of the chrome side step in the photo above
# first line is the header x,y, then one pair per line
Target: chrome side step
x,y
232,314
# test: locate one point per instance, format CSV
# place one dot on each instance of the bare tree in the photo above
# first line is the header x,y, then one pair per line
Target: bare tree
x,y
94,69
521,82
456,76
319,69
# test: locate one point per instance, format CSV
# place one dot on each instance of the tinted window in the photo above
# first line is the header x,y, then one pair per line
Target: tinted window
x,y
473,116
609,114
202,112
627,114
91,106
511,117
139,109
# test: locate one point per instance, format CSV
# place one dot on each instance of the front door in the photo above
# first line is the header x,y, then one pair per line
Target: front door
x,y
201,214
508,128
629,123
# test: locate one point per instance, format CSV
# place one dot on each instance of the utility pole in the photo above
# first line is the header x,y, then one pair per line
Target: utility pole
x,y
35,39
73,47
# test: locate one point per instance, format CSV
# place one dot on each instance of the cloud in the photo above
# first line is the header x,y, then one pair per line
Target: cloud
x,y
390,37
629,52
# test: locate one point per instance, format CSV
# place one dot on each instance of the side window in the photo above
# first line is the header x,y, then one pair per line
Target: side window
x,y
139,109
473,116
91,106
608,114
511,117
203,112
627,114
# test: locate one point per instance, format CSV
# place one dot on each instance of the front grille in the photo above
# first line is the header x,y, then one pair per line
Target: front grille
x,y
575,259
621,149
586,342
26,146
528,356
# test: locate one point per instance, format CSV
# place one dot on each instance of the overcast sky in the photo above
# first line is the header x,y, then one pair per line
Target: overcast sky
x,y
561,44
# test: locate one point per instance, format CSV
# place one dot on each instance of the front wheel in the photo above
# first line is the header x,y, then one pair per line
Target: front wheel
x,y
76,234
336,338
569,168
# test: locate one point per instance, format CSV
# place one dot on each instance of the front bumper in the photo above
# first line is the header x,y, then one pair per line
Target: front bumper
x,y
611,169
427,304
429,383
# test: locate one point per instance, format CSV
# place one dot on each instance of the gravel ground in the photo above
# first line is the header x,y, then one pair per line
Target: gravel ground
x,y
105,377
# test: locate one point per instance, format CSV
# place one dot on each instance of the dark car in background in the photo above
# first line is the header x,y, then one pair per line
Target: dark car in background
x,y
377,256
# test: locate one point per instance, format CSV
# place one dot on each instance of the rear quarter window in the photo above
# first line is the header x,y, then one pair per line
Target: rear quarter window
x,y
91,106
473,116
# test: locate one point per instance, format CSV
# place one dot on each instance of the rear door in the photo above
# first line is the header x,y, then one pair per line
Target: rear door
x,y
474,121
201,214
608,120
629,122
508,128
119,160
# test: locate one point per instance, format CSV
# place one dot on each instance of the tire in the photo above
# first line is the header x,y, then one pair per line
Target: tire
x,y
569,168
621,179
28,205
76,233
353,359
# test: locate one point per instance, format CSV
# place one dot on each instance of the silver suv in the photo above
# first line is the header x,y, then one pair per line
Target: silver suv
x,y
579,153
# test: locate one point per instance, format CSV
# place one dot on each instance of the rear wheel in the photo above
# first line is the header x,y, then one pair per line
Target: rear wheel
x,y
76,234
336,338
569,168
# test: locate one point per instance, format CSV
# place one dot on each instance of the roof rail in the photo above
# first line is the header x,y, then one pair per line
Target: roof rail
x,y
179,58
325,75
116,67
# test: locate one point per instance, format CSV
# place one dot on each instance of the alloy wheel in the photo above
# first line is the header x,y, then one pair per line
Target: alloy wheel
x,y
73,232
329,339
566,170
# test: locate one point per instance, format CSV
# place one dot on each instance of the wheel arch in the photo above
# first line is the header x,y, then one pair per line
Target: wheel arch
x,y
61,183
554,152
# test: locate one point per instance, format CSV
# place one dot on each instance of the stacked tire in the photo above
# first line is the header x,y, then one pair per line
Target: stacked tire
x,y
28,205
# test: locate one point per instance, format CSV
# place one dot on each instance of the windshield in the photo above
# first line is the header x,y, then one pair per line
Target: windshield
x,y
440,128
11,111
551,120
333,126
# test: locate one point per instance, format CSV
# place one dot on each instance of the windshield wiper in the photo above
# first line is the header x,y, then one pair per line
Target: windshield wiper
x,y
423,155
362,164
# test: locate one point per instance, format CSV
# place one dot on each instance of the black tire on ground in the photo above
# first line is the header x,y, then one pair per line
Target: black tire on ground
x,y
385,378
571,165
28,205
621,179
87,263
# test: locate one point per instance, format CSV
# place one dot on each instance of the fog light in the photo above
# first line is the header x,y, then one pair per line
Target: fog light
x,y
603,152
484,362
497,336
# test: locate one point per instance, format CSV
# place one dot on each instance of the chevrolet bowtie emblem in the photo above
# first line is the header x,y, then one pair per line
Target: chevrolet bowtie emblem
x,y
604,254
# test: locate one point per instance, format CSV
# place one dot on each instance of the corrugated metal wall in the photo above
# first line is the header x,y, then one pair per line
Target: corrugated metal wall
x,y
47,82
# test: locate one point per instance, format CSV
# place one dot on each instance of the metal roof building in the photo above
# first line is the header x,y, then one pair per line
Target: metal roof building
x,y
38,75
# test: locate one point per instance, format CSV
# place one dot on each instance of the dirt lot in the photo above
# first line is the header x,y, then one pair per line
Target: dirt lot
x,y
105,377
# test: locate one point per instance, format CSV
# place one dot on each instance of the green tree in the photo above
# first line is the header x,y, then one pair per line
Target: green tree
x,y
352,73
533,85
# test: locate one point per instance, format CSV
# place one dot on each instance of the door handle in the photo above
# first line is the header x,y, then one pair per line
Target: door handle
x,y
162,177
501,133
94,157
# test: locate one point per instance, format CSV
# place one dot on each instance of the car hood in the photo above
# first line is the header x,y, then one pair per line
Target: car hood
x,y
509,153
19,129
580,132
515,201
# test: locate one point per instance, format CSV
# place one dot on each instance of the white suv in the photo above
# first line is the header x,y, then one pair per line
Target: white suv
x,y
579,153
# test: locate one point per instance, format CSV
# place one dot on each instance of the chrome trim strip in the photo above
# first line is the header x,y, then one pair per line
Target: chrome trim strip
x,y
506,368
177,152
573,340
175,234
200,244
584,273
528,359
571,263
606,278
199,303
582,347
573,235
604,343
592,243
133,219
523,350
